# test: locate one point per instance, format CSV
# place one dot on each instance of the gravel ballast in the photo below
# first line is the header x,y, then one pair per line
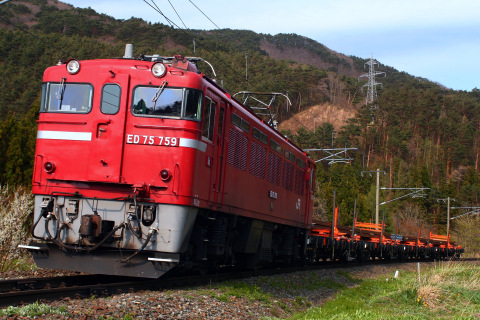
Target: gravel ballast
x,y
266,296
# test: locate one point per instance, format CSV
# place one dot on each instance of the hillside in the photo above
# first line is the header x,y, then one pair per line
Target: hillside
x,y
422,134
312,117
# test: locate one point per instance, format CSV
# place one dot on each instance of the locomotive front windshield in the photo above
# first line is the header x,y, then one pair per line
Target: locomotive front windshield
x,y
167,102
67,97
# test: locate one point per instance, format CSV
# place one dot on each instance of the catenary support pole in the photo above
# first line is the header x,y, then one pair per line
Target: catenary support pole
x,y
377,197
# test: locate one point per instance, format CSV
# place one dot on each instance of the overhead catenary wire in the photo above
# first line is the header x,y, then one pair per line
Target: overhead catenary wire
x,y
177,14
193,37
204,14
156,8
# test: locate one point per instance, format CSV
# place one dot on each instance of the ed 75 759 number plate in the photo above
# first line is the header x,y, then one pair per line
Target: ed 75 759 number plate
x,y
153,140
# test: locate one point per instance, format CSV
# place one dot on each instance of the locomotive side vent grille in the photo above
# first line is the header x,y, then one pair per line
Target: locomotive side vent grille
x,y
274,168
237,150
287,182
258,156
299,178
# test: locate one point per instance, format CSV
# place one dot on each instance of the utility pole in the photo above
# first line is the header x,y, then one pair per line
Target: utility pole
x,y
246,66
448,199
377,198
448,218
377,194
414,193
448,225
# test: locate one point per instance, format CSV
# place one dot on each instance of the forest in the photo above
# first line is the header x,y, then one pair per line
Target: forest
x,y
420,134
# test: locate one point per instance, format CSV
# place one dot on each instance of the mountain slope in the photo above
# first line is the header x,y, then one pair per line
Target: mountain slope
x,y
422,134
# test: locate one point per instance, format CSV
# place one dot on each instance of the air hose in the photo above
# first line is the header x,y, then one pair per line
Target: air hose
x,y
76,248
147,240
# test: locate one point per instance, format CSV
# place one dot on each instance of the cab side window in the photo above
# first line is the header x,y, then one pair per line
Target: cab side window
x,y
110,98
193,104
208,120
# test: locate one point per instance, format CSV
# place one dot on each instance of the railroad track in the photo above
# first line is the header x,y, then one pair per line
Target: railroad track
x,y
23,291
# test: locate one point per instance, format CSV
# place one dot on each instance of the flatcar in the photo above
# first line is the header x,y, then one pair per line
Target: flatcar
x,y
146,164
365,241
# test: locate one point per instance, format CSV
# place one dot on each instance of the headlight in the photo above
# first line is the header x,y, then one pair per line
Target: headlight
x,y
73,66
159,69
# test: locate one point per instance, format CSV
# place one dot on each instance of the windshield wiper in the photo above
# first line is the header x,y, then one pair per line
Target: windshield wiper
x,y
60,93
158,93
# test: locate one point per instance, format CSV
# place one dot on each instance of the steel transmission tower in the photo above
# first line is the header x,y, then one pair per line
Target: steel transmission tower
x,y
372,83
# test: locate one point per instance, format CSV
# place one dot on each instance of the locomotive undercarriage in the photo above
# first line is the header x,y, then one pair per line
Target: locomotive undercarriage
x,y
122,237
144,239
223,240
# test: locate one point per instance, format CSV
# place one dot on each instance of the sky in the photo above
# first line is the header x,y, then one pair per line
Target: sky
x,y
434,39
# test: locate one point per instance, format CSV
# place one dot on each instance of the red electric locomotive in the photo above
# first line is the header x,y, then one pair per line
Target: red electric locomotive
x,y
142,165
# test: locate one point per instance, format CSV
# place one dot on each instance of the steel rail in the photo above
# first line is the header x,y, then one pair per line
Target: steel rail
x,y
25,291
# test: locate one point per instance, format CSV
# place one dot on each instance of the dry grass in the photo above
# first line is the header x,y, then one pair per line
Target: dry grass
x,y
450,283
429,295
334,114
15,209
447,290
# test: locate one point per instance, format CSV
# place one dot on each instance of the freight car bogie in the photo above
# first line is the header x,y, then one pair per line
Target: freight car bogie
x,y
221,240
322,248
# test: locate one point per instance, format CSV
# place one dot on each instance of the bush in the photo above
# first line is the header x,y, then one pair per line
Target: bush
x,y
466,232
16,207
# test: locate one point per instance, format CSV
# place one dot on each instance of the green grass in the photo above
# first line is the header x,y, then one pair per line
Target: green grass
x,y
310,282
240,289
32,310
447,291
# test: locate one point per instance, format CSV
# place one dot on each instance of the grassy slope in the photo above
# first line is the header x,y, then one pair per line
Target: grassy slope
x,y
450,290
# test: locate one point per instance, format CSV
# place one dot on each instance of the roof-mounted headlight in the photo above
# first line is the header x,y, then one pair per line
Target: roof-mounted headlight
x,y
73,66
159,69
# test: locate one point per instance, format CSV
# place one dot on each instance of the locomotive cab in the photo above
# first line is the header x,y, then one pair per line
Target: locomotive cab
x,y
115,136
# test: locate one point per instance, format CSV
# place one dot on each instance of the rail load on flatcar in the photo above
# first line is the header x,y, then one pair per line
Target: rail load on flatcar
x,y
145,164
365,241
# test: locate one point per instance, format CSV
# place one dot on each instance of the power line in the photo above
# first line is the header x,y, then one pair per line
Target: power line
x,y
235,72
204,14
299,122
156,8
177,14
